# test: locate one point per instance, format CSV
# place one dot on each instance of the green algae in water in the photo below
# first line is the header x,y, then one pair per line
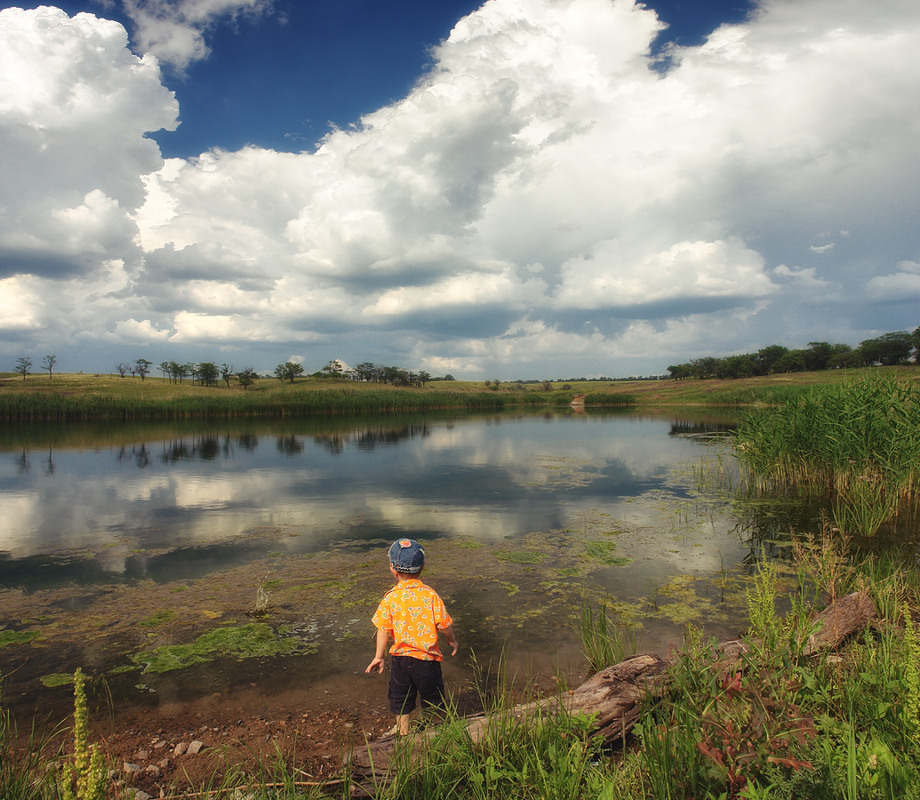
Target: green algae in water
x,y
56,679
157,619
17,637
521,556
603,552
246,641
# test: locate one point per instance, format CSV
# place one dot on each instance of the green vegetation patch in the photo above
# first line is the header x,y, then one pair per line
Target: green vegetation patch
x,y
56,679
245,641
17,637
521,556
604,553
157,619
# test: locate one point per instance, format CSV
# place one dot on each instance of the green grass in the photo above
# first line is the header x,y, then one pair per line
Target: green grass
x,y
857,443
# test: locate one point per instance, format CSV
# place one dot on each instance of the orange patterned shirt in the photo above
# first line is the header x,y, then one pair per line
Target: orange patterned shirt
x,y
413,613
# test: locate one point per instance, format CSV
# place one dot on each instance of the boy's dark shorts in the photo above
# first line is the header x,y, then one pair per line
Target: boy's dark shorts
x,y
411,678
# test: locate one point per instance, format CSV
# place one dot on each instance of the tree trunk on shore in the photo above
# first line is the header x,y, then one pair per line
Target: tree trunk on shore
x,y
614,695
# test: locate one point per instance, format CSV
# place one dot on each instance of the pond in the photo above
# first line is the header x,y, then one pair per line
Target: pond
x,y
178,560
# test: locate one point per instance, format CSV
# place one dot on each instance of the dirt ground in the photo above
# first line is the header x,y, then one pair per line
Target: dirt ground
x,y
153,752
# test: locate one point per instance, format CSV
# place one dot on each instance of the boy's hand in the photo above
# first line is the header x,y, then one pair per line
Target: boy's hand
x,y
377,665
454,647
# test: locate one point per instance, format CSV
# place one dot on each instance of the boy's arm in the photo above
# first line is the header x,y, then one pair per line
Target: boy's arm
x,y
451,638
383,638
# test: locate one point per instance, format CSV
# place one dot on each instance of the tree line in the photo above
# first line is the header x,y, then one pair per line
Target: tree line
x,y
889,349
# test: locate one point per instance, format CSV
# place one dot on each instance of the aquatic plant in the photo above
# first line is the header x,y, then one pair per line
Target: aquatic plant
x,y
857,443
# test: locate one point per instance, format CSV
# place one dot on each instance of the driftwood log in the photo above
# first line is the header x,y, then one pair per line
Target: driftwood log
x,y
614,695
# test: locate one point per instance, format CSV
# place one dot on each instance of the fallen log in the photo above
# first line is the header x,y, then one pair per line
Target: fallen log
x,y
613,696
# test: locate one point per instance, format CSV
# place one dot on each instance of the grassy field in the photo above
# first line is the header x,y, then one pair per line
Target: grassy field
x,y
85,396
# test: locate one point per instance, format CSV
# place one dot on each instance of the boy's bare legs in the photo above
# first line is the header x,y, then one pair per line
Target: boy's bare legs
x,y
402,724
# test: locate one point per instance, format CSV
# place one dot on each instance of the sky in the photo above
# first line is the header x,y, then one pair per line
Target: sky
x,y
512,190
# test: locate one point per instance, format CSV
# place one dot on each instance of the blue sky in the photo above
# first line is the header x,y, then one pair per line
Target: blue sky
x,y
527,188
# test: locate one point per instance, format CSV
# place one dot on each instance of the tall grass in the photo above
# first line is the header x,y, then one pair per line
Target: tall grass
x,y
42,406
23,775
857,442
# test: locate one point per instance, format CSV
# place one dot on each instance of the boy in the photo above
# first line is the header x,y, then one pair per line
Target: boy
x,y
411,614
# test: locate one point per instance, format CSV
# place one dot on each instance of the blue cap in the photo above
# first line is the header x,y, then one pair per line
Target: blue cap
x,y
406,555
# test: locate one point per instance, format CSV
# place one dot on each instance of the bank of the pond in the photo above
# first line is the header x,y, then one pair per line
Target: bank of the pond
x,y
102,397
107,397
778,723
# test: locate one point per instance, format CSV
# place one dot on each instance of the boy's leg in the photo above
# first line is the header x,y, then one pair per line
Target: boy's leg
x,y
402,691
426,675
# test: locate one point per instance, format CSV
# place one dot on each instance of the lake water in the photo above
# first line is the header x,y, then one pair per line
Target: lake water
x,y
116,540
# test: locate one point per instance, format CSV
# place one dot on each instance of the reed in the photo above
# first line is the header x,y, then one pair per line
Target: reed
x,y
858,443
47,406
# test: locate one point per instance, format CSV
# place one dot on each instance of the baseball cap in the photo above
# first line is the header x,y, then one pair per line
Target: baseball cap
x,y
407,555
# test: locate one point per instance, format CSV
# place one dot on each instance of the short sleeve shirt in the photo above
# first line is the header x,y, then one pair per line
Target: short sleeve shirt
x,y
413,613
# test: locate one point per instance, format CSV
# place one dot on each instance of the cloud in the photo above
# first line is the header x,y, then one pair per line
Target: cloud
x,y
174,30
902,286
75,104
544,201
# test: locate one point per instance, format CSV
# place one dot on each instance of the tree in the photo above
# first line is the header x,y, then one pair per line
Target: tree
x,y
142,367
817,355
48,363
423,377
23,365
226,372
208,373
288,371
766,357
246,377
164,368
334,369
122,368
888,349
365,371
791,361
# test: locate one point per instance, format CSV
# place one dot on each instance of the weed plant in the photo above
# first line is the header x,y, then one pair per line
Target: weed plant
x,y
857,443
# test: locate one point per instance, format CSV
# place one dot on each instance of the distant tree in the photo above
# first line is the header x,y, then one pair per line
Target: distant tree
x,y
142,367
915,339
48,363
23,365
766,357
448,377
246,377
334,369
888,349
740,366
365,371
192,369
790,361
163,367
817,355
208,373
423,377
226,372
288,371
122,368
843,356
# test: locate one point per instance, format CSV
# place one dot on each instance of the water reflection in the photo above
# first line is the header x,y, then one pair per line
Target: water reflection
x,y
99,502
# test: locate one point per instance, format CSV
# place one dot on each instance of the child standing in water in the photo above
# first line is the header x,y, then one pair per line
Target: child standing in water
x,y
411,614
